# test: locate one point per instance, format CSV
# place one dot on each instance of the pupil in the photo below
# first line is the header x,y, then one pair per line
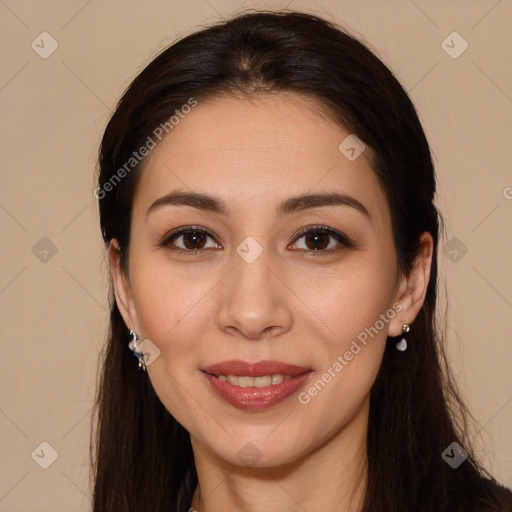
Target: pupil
x,y
195,236
316,236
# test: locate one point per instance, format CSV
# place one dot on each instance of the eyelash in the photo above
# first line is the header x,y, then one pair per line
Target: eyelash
x,y
315,229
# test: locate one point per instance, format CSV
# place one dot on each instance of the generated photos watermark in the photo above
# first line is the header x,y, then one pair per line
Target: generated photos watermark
x,y
343,360
137,156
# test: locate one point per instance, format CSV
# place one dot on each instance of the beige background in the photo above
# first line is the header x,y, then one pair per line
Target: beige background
x,y
53,112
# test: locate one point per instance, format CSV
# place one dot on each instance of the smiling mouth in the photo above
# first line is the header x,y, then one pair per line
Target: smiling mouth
x,y
256,393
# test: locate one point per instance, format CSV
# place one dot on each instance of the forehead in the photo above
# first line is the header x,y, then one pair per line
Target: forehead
x,y
258,152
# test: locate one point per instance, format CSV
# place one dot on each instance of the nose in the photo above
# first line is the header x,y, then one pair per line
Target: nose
x,y
255,301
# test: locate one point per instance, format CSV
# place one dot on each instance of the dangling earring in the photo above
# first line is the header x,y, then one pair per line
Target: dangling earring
x,y
134,346
402,344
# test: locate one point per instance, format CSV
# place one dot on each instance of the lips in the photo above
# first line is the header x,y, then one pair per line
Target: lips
x,y
241,368
255,395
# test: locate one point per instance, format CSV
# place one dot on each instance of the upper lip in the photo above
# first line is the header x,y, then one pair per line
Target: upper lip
x,y
242,368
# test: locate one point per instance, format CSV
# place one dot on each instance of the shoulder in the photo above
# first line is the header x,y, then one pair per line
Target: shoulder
x,y
493,497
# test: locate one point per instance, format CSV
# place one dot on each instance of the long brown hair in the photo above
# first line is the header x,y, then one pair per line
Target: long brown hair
x,y
142,458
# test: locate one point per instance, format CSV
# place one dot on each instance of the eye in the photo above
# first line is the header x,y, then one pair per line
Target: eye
x,y
316,239
193,239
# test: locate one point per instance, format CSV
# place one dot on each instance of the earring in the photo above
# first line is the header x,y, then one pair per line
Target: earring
x,y
136,349
402,344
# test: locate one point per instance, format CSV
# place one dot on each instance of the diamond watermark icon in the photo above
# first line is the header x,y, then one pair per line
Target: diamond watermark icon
x,y
454,249
249,454
454,45
44,45
249,249
351,147
44,250
454,455
45,455
150,351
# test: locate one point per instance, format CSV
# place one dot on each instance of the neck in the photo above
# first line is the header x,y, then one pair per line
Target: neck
x,y
331,478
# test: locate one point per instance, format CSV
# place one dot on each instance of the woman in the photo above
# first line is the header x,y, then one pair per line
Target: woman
x,y
266,196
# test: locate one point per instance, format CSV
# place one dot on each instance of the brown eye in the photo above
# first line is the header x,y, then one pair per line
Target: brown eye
x,y
316,240
320,239
193,240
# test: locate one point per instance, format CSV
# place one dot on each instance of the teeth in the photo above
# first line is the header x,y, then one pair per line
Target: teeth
x,y
277,379
258,382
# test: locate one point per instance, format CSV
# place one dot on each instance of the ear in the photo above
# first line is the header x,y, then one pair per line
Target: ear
x,y
413,288
122,287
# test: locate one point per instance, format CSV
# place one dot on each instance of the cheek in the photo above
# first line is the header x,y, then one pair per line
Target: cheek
x,y
169,300
349,352
171,313
352,347
338,396
349,301
355,310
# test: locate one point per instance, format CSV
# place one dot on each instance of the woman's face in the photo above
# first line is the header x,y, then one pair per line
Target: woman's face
x,y
253,288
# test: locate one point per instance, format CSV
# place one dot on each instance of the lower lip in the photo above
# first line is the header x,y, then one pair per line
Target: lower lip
x,y
253,398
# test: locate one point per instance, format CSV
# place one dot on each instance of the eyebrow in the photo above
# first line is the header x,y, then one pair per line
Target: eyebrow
x,y
290,205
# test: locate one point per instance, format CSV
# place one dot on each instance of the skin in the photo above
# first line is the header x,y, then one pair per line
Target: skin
x,y
289,304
